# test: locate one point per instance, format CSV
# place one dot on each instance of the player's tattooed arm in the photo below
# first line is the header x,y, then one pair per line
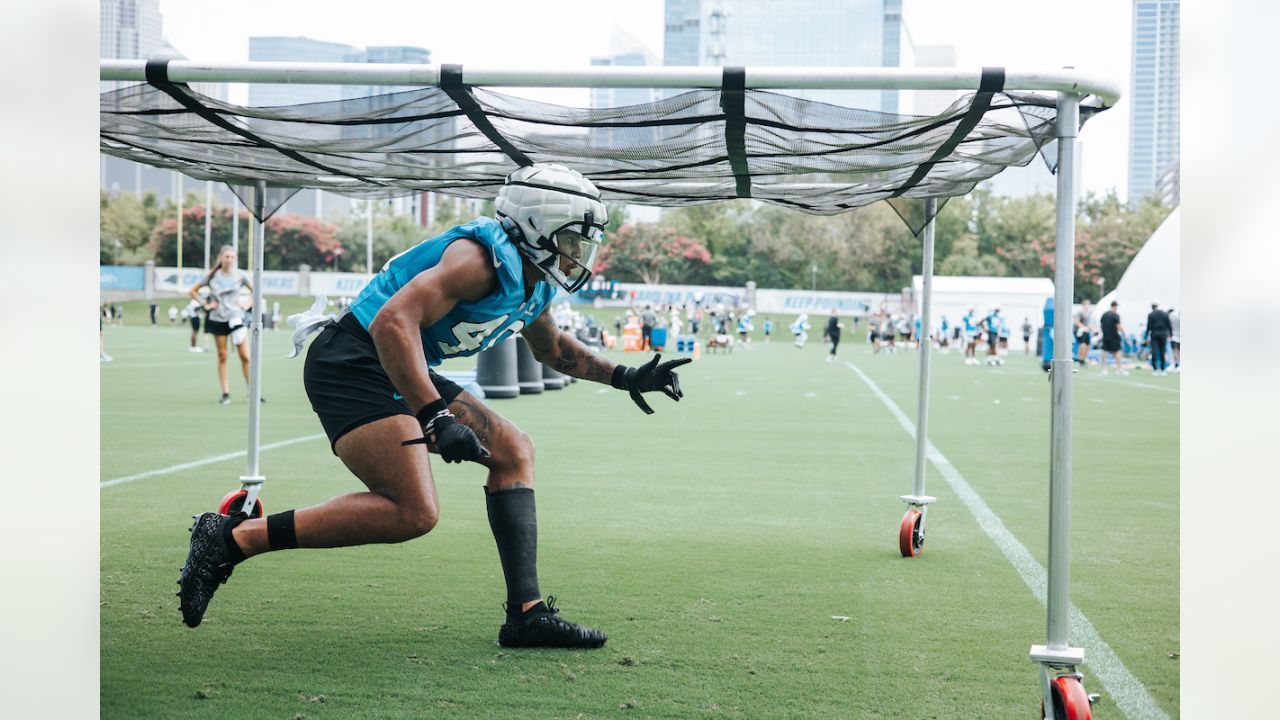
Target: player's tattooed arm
x,y
562,351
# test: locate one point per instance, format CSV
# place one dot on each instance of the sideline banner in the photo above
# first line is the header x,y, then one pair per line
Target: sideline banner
x,y
766,300
845,303
336,284
274,282
640,294
120,277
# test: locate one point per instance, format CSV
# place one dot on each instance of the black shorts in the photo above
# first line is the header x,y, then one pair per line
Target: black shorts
x,y
216,327
1111,344
195,323
347,385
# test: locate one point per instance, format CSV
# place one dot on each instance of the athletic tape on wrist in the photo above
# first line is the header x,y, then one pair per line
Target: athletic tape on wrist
x,y
431,410
621,375
280,532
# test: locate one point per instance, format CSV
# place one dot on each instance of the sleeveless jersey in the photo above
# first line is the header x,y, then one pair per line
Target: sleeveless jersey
x,y
470,326
968,324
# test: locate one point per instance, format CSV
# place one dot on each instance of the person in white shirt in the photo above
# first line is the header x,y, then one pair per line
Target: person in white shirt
x,y
226,318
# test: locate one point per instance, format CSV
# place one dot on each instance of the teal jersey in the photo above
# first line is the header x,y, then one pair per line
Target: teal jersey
x,y
470,326
968,323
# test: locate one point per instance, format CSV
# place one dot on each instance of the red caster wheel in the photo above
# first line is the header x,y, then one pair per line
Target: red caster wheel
x,y
233,502
1070,701
911,533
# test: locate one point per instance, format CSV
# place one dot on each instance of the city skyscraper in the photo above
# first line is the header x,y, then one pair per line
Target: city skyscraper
x,y
391,54
791,33
297,49
130,28
624,50
1154,101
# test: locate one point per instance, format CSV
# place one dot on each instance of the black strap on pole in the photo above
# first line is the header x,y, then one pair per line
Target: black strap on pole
x,y
157,73
451,84
991,83
733,88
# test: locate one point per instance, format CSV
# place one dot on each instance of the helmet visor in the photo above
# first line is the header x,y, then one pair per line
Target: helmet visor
x,y
577,252
577,247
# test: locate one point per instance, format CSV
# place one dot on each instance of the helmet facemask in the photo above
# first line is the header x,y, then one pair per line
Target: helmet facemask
x,y
555,218
578,243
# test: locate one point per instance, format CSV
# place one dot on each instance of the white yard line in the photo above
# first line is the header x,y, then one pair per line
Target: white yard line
x,y
1126,691
205,461
1154,387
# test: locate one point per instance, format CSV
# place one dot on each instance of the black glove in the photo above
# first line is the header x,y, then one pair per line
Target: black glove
x,y
455,441
649,377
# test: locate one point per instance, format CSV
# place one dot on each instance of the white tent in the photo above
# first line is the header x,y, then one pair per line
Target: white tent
x,y
1017,298
1152,275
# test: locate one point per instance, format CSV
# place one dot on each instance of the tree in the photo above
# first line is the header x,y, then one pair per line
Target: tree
x,y
125,225
965,260
163,246
653,254
290,239
723,229
392,234
1108,236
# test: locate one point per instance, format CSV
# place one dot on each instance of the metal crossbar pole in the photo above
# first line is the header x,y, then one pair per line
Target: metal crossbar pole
x,y
252,479
926,311
757,78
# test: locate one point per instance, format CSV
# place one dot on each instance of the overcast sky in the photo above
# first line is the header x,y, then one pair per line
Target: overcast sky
x,y
1090,35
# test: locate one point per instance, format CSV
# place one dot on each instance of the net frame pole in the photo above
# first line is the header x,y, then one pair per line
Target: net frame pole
x,y
926,309
235,226
368,240
1059,601
208,219
178,183
252,480
1056,656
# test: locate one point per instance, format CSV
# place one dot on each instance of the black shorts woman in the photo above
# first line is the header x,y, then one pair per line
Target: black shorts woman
x,y
226,319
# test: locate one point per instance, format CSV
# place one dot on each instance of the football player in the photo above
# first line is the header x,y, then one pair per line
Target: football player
x,y
369,378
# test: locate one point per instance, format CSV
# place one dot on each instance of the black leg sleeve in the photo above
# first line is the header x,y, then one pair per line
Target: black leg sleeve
x,y
513,518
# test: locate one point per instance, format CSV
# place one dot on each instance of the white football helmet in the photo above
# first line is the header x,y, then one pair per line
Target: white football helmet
x,y
550,211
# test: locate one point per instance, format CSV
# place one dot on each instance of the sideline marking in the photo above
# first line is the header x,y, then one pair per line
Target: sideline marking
x,y
205,461
1126,691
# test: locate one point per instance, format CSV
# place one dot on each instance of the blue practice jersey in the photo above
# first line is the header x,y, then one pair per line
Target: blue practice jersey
x,y
968,323
470,326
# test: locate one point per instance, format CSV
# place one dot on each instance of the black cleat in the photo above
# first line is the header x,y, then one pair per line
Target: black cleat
x,y
542,626
206,568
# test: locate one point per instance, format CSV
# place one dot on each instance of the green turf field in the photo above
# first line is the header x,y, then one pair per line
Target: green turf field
x,y
713,541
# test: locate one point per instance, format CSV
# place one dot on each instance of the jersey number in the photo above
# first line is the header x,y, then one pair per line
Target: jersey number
x,y
472,335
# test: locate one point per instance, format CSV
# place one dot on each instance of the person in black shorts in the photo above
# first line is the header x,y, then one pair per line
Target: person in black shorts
x,y
1112,342
226,319
1083,330
192,313
370,380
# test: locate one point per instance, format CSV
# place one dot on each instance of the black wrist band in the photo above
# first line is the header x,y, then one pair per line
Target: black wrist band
x,y
430,410
619,378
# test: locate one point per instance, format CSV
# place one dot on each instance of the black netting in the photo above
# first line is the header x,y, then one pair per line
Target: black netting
x,y
682,150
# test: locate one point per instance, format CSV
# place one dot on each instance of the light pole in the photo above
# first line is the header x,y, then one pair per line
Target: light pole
x,y
813,275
